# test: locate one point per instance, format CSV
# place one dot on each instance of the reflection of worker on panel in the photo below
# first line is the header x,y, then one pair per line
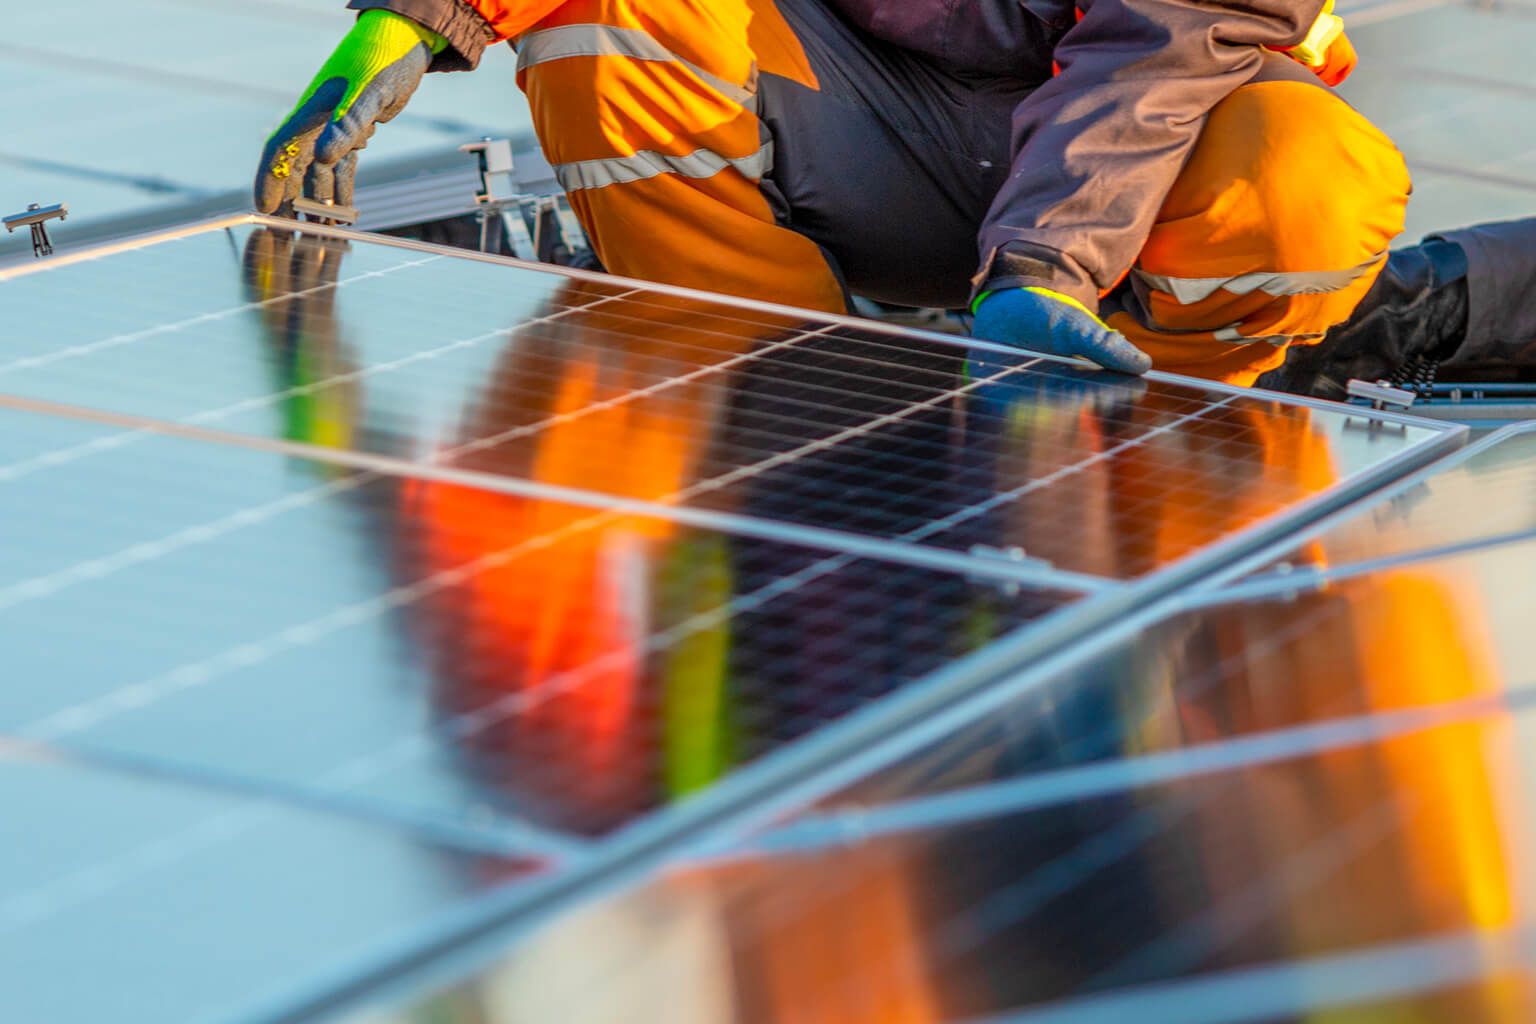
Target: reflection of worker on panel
x,y
591,663
785,149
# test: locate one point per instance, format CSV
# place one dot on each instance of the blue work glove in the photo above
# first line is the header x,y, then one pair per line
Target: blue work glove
x,y
366,81
1047,321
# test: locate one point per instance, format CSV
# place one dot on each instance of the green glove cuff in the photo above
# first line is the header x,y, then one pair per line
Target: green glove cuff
x,y
377,40
1047,293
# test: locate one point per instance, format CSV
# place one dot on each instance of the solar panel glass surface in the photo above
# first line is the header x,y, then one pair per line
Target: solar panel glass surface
x,y
1482,498
364,349
433,650
558,568
1313,803
129,897
1389,872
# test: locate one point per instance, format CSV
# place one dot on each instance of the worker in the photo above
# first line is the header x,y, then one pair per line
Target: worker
x,y
1139,181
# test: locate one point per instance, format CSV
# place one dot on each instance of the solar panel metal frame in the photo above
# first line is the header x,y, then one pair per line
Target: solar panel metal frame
x,y
865,740
138,241
1240,585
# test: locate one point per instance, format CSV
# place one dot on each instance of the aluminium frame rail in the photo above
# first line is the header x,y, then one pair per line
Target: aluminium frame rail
x,y
876,736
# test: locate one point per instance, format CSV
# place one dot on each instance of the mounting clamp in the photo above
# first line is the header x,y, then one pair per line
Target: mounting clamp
x,y
35,216
325,212
1381,395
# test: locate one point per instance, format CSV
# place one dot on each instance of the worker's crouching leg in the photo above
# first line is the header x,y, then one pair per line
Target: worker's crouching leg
x,y
1459,299
1273,233
648,112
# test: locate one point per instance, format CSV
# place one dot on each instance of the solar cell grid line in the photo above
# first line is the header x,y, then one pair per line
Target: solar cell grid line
x,y
838,826
135,698
372,467
520,839
76,351
852,440
664,383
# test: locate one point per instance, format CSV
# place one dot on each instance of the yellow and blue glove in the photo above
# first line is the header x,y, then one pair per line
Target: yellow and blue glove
x,y
366,81
1047,321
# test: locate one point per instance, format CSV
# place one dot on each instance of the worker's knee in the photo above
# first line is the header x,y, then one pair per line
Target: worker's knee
x,y
1286,176
1271,235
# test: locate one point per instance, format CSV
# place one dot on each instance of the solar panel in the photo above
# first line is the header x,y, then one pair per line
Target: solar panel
x,y
1269,806
436,650
1378,873
563,569
1482,498
360,348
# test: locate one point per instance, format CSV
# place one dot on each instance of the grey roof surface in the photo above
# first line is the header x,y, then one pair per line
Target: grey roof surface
x,y
128,110
1453,84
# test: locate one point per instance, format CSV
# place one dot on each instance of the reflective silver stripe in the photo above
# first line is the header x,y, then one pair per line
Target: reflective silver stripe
x,y
1190,290
569,41
701,163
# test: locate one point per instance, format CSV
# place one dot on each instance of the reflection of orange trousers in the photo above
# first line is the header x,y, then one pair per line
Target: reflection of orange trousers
x,y
713,144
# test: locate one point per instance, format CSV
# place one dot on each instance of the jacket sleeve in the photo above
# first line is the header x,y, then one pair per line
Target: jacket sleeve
x,y
1097,148
468,25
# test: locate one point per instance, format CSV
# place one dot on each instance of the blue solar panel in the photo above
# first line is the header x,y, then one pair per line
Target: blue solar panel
x,y
569,573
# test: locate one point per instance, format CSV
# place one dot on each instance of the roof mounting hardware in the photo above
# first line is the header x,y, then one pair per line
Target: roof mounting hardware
x,y
1013,555
325,211
34,216
496,182
497,192
539,228
1382,395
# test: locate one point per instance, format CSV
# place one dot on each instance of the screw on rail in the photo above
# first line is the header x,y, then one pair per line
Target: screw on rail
x,y
35,217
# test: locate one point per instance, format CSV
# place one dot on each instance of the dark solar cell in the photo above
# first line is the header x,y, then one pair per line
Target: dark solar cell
x,y
683,401
437,649
585,573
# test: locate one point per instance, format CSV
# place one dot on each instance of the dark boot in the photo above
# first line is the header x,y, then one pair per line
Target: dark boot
x,y
1462,300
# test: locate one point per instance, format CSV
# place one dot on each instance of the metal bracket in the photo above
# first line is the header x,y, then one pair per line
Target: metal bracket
x,y
1381,396
1013,556
325,212
537,227
35,216
498,193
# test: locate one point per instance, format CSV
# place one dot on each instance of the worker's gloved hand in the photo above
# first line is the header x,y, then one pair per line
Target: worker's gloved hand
x,y
1047,321
366,81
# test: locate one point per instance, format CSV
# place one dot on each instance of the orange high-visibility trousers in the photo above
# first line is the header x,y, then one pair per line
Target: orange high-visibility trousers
x,y
648,113
763,148
1274,232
